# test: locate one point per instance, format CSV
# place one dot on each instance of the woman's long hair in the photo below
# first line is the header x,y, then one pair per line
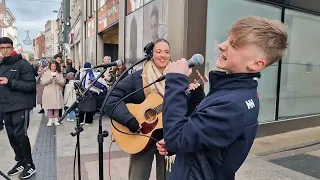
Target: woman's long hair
x,y
58,67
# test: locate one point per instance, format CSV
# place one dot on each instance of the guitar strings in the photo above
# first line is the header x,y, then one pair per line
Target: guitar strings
x,y
121,100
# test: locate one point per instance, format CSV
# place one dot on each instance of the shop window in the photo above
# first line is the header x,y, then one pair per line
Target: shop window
x,y
301,96
222,14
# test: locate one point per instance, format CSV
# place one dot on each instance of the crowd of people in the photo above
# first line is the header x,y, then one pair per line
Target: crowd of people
x,y
56,91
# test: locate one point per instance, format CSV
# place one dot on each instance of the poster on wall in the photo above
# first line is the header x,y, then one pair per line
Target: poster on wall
x,y
133,5
155,21
143,26
134,37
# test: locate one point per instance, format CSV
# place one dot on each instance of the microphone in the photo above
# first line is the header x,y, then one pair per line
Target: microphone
x,y
115,63
196,59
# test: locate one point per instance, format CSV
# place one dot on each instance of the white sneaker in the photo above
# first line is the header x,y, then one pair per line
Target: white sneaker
x,y
56,122
70,120
50,122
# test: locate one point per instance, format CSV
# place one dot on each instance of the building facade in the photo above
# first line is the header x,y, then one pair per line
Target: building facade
x,y
9,29
51,38
39,46
75,34
48,39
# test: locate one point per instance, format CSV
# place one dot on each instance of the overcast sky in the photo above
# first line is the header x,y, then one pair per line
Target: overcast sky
x,y
32,15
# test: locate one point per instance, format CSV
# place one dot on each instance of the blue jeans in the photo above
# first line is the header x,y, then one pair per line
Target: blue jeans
x,y
72,115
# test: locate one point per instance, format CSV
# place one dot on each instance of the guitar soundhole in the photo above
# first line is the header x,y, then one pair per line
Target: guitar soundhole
x,y
150,115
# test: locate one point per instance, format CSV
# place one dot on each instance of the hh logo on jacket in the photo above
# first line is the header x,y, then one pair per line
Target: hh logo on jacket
x,y
250,104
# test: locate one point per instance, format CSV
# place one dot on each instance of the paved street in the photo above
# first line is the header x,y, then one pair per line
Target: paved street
x,y
53,151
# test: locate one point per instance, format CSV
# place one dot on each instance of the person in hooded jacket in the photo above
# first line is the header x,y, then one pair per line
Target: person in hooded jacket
x,y
88,106
213,142
17,98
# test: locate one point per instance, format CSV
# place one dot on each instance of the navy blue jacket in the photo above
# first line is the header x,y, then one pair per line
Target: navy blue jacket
x,y
213,142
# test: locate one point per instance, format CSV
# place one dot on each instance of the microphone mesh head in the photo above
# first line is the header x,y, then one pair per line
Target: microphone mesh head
x,y
198,59
119,62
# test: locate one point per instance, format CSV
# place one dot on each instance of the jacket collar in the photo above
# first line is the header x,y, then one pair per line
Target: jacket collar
x,y
12,59
221,80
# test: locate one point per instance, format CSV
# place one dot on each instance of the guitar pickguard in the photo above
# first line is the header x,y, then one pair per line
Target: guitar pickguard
x,y
148,127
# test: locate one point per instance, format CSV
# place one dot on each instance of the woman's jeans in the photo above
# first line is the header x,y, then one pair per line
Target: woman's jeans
x,y
72,115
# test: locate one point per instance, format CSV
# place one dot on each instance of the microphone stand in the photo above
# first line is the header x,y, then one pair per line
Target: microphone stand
x,y
101,133
4,176
78,129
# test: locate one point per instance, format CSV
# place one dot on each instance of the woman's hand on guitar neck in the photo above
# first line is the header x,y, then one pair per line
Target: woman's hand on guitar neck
x,y
162,148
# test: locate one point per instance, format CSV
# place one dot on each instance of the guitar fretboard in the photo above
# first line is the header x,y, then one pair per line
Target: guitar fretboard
x,y
158,109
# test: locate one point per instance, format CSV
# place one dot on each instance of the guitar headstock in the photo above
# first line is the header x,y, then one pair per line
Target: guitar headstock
x,y
202,80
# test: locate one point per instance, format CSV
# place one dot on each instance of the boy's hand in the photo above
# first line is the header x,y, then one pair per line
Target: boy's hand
x,y
3,80
162,148
180,66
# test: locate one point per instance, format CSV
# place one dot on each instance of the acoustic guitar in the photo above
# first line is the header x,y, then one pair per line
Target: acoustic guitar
x,y
149,116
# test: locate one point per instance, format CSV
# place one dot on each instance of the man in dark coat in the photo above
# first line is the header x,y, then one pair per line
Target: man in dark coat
x,y
17,98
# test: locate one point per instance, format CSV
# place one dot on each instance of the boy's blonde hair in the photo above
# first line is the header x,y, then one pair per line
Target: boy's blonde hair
x,y
269,35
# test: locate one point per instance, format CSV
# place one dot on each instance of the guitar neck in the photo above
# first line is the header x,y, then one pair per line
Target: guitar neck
x,y
201,81
158,109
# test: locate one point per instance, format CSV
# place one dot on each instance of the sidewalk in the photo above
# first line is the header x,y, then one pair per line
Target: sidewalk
x,y
253,168
63,144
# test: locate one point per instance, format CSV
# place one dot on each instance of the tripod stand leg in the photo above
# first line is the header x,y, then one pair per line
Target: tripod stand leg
x,y
100,141
79,162
3,175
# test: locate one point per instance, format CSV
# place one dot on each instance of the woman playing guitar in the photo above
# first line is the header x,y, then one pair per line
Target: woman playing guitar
x,y
141,163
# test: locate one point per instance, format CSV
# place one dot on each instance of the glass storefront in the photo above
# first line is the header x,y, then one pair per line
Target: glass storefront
x,y
221,15
300,74
300,70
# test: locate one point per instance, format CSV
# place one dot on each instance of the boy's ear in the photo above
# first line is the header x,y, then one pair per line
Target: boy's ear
x,y
258,65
